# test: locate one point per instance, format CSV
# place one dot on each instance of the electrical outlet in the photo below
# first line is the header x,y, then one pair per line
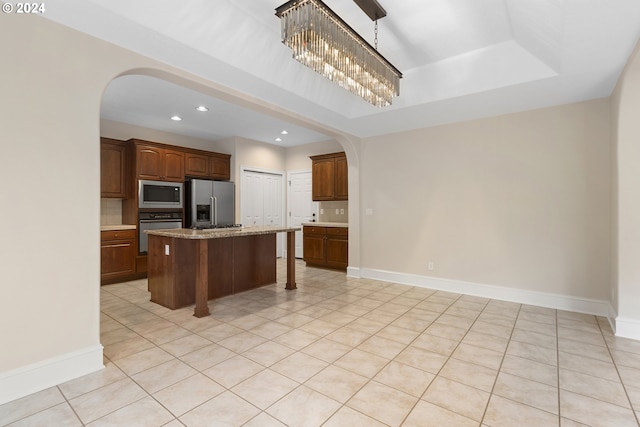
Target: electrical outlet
x,y
341,211
166,249
337,211
321,211
430,266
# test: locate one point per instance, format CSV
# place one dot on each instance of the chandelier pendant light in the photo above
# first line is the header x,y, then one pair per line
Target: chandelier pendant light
x,y
322,41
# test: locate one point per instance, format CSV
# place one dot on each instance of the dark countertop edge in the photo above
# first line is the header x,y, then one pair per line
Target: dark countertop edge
x,y
326,224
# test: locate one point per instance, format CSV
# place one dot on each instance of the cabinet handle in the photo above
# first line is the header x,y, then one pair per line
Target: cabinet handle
x,y
121,245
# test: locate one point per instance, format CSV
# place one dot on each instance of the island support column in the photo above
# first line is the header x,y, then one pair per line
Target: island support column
x,y
291,260
202,278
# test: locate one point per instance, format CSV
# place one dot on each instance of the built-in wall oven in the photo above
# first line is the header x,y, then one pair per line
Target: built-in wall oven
x,y
155,221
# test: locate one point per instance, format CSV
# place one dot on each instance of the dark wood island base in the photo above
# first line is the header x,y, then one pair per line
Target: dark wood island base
x,y
194,266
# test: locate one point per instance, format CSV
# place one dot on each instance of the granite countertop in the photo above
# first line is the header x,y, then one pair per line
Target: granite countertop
x,y
326,224
218,233
117,227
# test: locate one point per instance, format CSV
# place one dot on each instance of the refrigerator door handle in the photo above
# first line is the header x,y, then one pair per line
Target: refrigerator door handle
x,y
215,210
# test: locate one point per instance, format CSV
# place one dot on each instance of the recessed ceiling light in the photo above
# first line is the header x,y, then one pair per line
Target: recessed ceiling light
x,y
278,139
176,118
284,132
202,108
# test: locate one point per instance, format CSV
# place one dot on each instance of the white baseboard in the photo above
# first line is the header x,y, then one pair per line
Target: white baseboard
x,y
627,328
522,296
48,373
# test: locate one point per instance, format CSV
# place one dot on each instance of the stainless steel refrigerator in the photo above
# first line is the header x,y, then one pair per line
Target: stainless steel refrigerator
x,y
209,204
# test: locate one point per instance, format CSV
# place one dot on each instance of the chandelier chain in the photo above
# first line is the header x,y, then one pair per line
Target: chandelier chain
x,y
375,31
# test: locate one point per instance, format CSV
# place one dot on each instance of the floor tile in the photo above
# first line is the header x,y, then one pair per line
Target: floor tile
x,y
349,417
530,369
598,388
144,360
326,350
226,409
586,410
233,371
405,378
317,408
422,359
337,383
362,362
264,420
185,395
206,357
144,412
456,397
532,393
185,345
503,412
100,402
477,376
427,414
383,403
382,347
349,352
478,355
299,366
264,388
268,353
74,388
164,375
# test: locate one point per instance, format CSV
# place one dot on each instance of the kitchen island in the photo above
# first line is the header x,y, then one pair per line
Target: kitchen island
x,y
187,266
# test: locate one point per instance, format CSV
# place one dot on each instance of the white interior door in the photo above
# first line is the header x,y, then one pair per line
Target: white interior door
x,y
301,206
262,202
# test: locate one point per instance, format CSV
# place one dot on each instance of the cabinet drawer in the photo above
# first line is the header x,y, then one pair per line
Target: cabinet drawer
x,y
337,231
117,235
314,230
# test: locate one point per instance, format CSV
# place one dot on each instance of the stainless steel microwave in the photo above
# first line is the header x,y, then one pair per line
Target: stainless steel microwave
x,y
160,195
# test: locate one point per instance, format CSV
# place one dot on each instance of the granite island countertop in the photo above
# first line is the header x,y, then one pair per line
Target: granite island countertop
x,y
326,224
218,233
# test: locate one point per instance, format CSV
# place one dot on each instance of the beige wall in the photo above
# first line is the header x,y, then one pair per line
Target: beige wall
x,y
297,158
518,201
626,224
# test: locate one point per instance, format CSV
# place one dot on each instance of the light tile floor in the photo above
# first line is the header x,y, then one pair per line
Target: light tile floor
x,y
345,352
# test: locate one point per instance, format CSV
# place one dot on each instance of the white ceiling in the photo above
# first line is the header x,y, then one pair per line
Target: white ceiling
x,y
461,59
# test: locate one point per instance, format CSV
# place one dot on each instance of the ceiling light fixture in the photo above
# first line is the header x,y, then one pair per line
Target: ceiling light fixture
x,y
202,108
284,132
176,118
278,139
322,41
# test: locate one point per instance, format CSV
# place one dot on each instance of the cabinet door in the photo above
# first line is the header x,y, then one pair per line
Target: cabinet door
x,y
342,181
196,165
313,249
149,162
323,185
112,171
173,163
337,252
219,168
117,258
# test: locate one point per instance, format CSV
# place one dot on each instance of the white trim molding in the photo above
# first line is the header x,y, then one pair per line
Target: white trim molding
x,y
627,328
48,373
522,296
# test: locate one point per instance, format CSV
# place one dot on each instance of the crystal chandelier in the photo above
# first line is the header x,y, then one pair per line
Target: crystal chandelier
x,y
322,41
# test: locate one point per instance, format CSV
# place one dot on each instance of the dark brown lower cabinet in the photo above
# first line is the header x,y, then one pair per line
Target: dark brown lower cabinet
x,y
117,255
326,246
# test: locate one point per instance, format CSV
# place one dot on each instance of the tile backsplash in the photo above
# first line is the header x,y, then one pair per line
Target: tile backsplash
x,y
327,211
110,211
